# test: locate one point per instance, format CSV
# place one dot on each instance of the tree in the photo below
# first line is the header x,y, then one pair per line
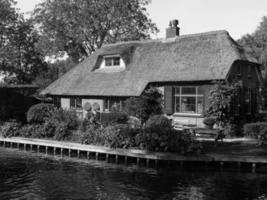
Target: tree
x,y
80,27
255,44
149,103
221,103
19,59
53,72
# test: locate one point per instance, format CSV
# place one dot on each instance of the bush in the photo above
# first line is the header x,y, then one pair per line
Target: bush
x,y
32,131
262,137
158,122
92,135
114,117
60,124
168,140
254,129
39,112
120,136
10,129
209,121
149,103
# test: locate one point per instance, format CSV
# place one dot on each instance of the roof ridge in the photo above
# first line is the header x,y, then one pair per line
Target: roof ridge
x,y
167,39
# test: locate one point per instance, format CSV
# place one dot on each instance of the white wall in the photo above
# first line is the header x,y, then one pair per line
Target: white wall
x,y
92,101
65,103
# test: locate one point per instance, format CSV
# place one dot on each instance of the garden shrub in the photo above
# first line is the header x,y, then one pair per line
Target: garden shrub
x,y
209,121
168,140
254,129
32,131
60,124
10,129
262,137
92,135
39,112
149,103
114,117
158,122
120,136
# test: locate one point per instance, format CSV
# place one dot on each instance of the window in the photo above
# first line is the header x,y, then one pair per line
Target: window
x,y
75,103
188,100
57,102
113,105
248,98
112,61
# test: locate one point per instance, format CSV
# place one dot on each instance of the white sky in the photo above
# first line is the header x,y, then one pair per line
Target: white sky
x,y
239,17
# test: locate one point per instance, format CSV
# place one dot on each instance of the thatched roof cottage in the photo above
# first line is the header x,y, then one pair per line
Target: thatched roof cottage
x,y
184,66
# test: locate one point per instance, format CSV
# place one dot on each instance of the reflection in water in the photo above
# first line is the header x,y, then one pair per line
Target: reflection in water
x,y
27,176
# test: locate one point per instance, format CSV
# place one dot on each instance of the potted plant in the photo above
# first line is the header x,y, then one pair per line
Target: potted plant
x,y
209,122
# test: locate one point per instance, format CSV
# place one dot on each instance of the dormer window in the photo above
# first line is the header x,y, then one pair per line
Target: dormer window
x,y
112,61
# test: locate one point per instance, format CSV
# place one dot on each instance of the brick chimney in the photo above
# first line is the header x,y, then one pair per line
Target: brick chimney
x,y
173,30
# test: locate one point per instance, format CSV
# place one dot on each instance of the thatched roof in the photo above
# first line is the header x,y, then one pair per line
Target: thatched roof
x,y
197,57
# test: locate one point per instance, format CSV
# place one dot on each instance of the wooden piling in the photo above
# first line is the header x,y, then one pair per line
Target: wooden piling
x,y
88,155
69,152
96,156
116,159
253,167
107,157
138,161
147,162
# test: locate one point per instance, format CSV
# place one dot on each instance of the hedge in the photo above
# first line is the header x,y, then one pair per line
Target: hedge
x,y
254,129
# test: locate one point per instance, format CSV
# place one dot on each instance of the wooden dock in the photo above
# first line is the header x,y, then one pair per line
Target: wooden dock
x,y
124,155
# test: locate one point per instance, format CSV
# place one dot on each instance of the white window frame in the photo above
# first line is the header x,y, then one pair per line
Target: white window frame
x,y
180,95
112,57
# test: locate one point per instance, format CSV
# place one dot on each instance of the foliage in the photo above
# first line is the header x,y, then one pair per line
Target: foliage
x,y
221,100
92,135
10,129
158,122
114,117
254,129
80,27
120,136
255,45
53,72
14,104
60,124
20,61
262,137
32,131
167,140
40,112
149,103
209,121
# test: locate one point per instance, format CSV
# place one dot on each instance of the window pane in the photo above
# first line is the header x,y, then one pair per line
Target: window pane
x,y
177,90
116,61
200,105
78,103
108,61
72,102
177,104
189,90
188,105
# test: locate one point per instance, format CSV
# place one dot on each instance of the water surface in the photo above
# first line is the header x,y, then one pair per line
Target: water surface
x,y
31,176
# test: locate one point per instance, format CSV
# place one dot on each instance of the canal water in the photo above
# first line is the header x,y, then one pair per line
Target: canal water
x,y
31,176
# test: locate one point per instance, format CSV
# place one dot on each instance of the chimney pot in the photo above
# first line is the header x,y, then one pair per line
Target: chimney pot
x,y
173,30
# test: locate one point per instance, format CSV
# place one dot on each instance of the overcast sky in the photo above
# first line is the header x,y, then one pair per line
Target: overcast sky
x,y
238,17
